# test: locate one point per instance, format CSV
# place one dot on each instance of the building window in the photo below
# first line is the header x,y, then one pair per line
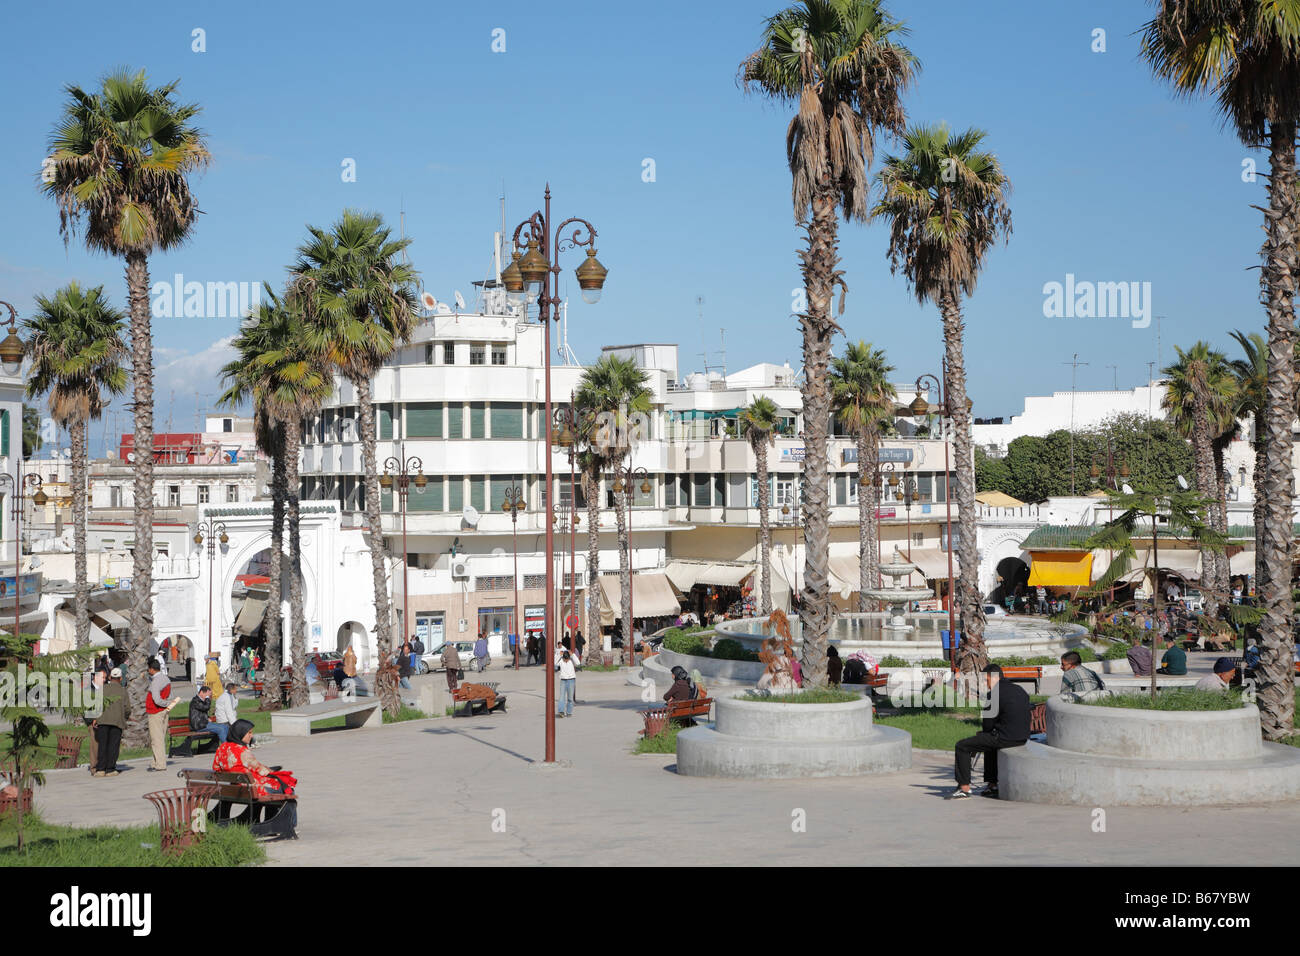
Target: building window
x,y
424,420
448,353
173,496
160,550
498,355
227,424
203,494
477,354
428,353
232,493
115,496
500,582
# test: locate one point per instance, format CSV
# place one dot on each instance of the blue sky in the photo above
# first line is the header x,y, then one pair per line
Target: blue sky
x,y
1114,180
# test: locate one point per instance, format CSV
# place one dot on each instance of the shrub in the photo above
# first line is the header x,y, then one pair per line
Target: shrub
x,y
692,644
1177,698
1010,661
1043,660
935,662
728,649
814,695
1115,652
890,660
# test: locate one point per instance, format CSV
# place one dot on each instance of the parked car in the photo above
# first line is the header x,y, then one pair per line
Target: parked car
x,y
432,659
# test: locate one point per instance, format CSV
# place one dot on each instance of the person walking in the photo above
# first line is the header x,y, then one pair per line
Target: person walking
x,y
451,661
110,724
158,703
481,658
568,685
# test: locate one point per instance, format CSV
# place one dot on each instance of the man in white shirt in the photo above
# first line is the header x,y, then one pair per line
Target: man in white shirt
x,y
226,713
568,682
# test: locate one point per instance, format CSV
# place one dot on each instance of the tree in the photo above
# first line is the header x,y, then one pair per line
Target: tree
x,y
1246,53
611,393
358,301
119,164
991,474
76,350
945,199
1201,401
842,62
32,440
864,399
758,422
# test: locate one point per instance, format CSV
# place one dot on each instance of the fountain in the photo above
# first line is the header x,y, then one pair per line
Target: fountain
x,y
897,596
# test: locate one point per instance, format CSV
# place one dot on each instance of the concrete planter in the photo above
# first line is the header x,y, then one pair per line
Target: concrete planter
x,y
1102,756
754,739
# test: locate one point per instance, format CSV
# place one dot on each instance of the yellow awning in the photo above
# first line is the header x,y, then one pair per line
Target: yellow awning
x,y
997,499
1060,569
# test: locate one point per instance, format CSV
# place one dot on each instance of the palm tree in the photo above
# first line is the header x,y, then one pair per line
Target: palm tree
x,y
359,306
758,421
1247,54
843,63
1201,401
77,353
946,202
288,383
864,399
612,390
119,160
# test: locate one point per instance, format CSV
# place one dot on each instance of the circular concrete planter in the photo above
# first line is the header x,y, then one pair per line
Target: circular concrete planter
x,y
758,718
1154,734
754,739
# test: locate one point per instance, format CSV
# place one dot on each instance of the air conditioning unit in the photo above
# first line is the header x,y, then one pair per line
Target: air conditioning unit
x,y
460,568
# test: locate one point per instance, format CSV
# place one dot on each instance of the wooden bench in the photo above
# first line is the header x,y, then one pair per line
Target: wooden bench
x,y
355,711
463,706
657,720
257,686
274,816
1022,673
178,728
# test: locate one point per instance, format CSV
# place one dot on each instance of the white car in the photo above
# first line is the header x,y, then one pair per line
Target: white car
x,y
433,658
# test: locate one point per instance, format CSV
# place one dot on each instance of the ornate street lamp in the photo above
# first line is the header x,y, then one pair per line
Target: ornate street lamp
x,y
545,241
214,532
398,472
12,349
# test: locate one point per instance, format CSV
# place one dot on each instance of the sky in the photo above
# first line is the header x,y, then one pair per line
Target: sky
x,y
443,108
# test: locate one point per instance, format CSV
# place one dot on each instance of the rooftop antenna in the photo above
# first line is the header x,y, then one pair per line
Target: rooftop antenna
x,y
1074,373
722,335
1114,371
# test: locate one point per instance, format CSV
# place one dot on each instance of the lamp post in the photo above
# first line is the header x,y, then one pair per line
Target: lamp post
x,y
626,485
537,272
920,406
398,472
512,504
214,532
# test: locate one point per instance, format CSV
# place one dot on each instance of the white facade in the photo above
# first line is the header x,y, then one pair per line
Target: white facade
x,y
1045,414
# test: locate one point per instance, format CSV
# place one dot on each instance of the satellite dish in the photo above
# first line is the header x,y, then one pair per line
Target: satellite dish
x,y
428,301
1182,482
470,516
460,301
443,309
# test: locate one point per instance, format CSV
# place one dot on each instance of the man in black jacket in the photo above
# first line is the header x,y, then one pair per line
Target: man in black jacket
x,y
1006,725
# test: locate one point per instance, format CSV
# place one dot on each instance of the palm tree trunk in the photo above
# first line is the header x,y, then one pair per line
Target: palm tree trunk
x,y
81,601
624,574
272,656
137,281
386,676
818,267
1203,456
972,655
1260,490
1278,277
764,524
591,489
1223,583
298,695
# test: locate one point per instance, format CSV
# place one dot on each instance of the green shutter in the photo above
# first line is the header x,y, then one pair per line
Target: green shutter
x,y
385,422
477,420
507,420
455,421
4,432
455,493
424,420
477,484
428,500
499,488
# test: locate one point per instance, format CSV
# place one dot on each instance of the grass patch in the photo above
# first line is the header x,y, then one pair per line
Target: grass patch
x,y
934,729
815,695
664,743
601,668
1177,698
404,714
51,845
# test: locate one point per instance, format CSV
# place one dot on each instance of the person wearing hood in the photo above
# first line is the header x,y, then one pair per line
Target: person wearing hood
x,y
683,687
236,756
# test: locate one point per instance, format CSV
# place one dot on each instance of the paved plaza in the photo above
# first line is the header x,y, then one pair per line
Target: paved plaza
x,y
474,790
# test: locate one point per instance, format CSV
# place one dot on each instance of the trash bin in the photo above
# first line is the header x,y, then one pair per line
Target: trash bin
x,y
948,646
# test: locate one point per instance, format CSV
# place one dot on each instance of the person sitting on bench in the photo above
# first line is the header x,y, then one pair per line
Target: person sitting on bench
x,y
1139,658
1174,660
236,756
200,709
1007,727
683,687
1078,682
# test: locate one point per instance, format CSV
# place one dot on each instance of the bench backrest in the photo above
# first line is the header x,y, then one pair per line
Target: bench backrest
x,y
230,785
178,725
1017,671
